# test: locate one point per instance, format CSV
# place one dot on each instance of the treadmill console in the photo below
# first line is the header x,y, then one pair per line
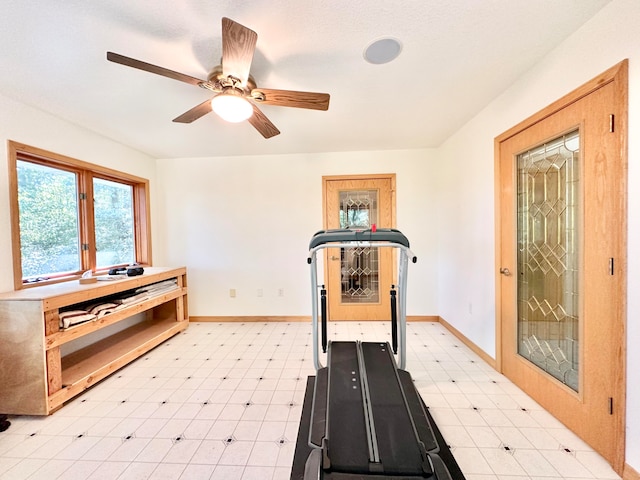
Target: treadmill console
x,y
348,235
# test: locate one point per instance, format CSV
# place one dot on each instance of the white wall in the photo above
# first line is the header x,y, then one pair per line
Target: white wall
x,y
245,223
30,126
466,246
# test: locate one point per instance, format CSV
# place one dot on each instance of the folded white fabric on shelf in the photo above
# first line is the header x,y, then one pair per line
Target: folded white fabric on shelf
x,y
75,317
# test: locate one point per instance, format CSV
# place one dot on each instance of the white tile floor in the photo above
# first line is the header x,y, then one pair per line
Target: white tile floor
x,y
223,402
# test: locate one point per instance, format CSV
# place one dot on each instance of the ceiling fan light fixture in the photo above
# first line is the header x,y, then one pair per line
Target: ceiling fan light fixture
x,y
231,107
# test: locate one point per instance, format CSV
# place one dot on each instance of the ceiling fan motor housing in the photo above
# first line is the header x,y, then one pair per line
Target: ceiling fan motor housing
x,y
222,82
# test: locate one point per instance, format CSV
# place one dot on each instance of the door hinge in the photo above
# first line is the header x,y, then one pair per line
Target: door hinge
x,y
611,266
83,196
610,405
612,122
85,246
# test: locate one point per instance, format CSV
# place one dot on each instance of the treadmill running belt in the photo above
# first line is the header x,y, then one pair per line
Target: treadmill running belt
x,y
303,450
347,443
400,453
425,432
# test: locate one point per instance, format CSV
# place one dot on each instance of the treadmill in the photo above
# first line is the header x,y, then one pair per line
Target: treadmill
x,y
366,419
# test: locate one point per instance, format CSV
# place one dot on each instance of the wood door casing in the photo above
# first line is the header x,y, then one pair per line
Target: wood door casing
x,y
384,184
597,411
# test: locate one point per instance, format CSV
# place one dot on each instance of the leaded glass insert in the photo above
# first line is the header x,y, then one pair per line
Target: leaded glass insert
x,y
359,266
548,257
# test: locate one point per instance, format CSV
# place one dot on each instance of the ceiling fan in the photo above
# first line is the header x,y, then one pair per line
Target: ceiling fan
x,y
236,94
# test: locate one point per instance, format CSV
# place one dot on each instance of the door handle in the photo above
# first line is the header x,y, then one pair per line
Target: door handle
x,y
505,271
333,257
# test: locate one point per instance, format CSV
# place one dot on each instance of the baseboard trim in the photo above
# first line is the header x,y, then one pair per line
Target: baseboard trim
x,y
472,346
423,318
250,318
285,318
630,473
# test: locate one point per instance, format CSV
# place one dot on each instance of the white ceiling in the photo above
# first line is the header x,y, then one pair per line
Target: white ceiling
x,y
457,56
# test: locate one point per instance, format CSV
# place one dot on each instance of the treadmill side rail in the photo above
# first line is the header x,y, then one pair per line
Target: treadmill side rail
x,y
319,409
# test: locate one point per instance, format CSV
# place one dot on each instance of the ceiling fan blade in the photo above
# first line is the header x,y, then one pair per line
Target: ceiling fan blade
x,y
238,46
261,123
195,113
289,98
147,67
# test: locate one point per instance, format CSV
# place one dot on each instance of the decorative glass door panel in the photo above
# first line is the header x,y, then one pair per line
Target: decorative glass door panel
x,y
358,279
548,193
359,266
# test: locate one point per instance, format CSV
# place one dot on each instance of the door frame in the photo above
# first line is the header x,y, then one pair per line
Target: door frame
x,y
618,75
363,176
391,178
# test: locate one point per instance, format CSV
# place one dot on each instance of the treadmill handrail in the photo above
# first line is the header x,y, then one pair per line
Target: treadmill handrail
x,y
362,244
336,239
354,235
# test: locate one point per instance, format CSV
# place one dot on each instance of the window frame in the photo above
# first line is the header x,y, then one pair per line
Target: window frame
x,y
85,173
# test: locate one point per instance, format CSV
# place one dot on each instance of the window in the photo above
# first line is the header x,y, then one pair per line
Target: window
x,y
69,216
113,221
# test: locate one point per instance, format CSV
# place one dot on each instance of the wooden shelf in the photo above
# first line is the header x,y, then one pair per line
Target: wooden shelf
x,y
63,336
36,379
85,367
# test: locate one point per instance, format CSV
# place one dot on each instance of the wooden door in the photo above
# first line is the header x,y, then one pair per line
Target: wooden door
x,y
359,279
562,236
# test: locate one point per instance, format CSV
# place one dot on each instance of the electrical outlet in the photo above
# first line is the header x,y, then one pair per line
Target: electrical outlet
x,y
260,292
232,292
281,292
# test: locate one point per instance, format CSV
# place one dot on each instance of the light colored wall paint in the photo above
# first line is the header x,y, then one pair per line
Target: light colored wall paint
x,y
30,126
467,189
244,223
